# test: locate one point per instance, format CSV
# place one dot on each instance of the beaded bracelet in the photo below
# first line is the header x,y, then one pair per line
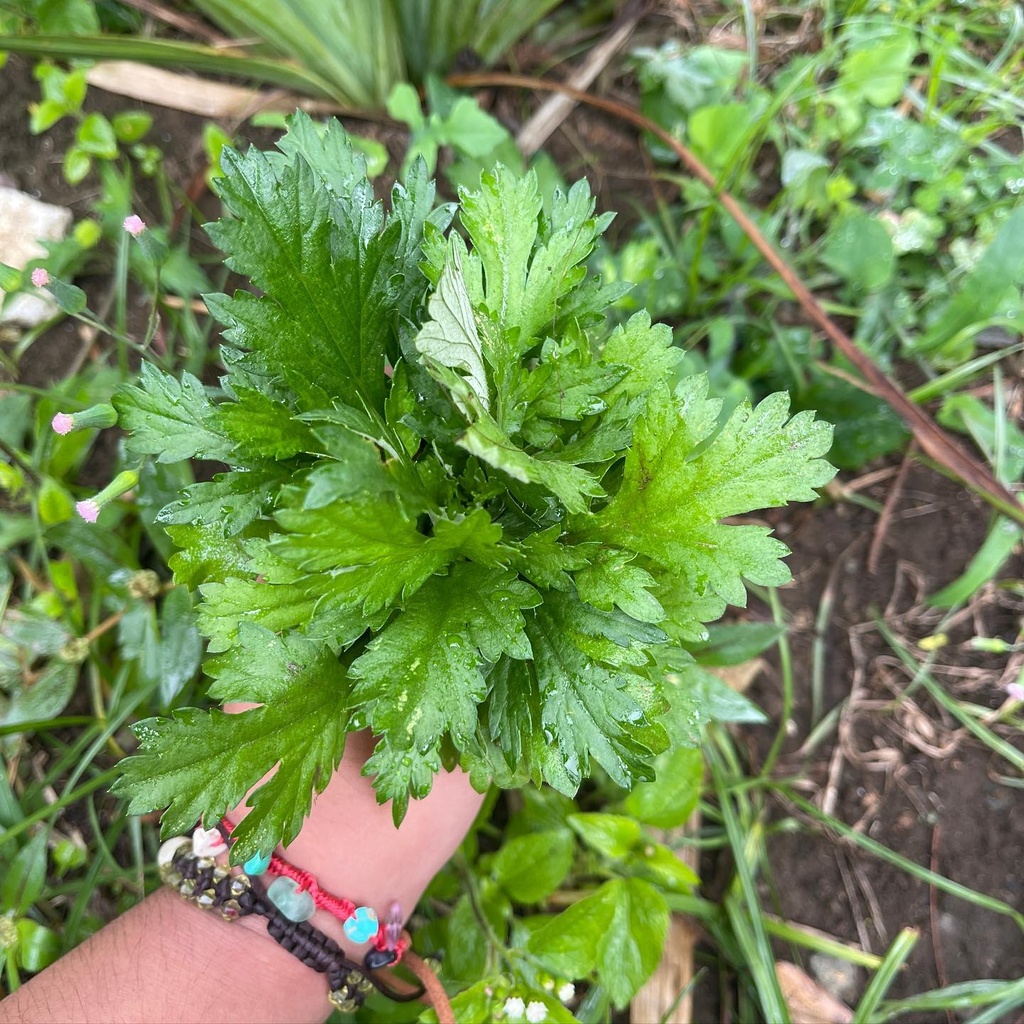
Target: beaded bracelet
x,y
199,879
304,895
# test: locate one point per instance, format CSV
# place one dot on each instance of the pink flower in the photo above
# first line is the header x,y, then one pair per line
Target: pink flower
x,y
1016,691
134,225
89,510
40,277
63,423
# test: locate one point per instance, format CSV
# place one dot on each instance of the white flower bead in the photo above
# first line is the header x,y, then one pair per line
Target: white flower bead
x,y
514,1008
566,991
536,1012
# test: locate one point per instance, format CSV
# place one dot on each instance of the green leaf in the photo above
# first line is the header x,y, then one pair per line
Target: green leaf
x,y
670,799
96,137
716,132
609,581
619,931
170,419
262,427
373,552
532,866
77,164
680,480
589,706
648,353
733,643
422,676
181,647
664,867
613,835
486,440
204,554
200,764
38,946
334,271
25,877
230,501
860,250
877,66
981,295
131,125
450,337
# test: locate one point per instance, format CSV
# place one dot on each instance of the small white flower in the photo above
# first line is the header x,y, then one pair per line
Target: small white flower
x,y
566,991
514,1008
536,1012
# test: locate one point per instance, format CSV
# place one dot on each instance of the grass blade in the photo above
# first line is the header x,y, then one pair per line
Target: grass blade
x,y
891,965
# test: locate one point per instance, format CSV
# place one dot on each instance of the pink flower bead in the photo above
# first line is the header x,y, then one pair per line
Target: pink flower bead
x,y
40,277
63,423
88,510
134,225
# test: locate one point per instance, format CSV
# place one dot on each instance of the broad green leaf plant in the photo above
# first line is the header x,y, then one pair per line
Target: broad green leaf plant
x,y
455,509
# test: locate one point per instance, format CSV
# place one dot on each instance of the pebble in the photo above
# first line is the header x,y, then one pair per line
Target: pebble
x,y
23,221
838,977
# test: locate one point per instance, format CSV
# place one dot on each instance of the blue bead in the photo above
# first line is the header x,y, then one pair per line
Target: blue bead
x,y
257,864
362,925
296,905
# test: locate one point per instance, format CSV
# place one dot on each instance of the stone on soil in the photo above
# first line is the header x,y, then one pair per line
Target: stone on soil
x,y
25,221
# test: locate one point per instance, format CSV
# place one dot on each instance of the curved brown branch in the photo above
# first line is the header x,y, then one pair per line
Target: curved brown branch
x,y
933,441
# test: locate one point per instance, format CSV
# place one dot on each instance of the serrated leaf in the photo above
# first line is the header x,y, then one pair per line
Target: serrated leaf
x,y
450,337
618,931
670,502
231,500
181,647
262,666
204,553
200,764
588,709
235,601
610,581
263,428
337,275
374,553
422,676
570,484
168,418
647,351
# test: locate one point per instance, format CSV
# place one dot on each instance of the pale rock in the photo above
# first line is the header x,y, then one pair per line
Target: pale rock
x,y
23,222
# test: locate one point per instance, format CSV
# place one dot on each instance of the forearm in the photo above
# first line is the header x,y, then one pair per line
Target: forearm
x,y
168,961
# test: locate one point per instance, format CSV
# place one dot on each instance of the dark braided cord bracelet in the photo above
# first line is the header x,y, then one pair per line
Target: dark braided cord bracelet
x,y
201,881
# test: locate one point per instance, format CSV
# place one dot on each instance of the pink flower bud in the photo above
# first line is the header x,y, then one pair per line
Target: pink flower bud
x,y
40,277
1016,691
89,510
63,423
134,225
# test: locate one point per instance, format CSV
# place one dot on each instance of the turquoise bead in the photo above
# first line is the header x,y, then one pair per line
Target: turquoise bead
x,y
257,864
362,925
295,905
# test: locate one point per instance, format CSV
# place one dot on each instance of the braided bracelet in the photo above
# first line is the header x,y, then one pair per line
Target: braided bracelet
x,y
300,894
199,879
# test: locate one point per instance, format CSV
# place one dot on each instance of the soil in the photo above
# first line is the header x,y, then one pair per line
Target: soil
x,y
910,777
